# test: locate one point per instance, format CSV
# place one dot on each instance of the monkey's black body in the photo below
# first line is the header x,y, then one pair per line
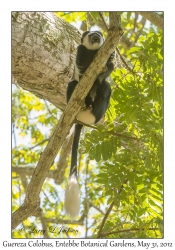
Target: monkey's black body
x,y
96,101
100,90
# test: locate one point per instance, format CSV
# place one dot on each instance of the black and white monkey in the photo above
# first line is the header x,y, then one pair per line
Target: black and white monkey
x,y
96,103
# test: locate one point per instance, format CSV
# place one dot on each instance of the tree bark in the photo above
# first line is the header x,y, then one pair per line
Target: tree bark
x,y
43,52
153,18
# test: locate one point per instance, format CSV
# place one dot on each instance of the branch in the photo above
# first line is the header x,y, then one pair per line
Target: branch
x,y
143,22
13,132
62,163
123,60
23,212
103,20
109,132
97,208
43,52
153,18
57,174
104,219
108,211
44,226
50,110
40,143
24,170
128,230
107,30
86,195
63,127
115,21
60,221
125,42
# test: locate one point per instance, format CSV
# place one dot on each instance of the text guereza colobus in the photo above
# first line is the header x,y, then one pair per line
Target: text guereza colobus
x,y
96,103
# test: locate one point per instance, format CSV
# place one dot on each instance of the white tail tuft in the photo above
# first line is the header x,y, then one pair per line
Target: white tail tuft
x,y
72,197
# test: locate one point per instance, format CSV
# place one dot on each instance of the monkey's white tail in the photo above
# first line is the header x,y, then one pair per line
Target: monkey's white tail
x,y
72,197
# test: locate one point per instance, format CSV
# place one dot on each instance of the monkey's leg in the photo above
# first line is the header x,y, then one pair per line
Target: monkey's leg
x,y
101,101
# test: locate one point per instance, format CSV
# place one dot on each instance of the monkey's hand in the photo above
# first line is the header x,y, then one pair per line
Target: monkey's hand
x,y
111,58
110,64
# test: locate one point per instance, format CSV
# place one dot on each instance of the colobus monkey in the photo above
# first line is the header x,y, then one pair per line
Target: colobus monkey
x,y
96,103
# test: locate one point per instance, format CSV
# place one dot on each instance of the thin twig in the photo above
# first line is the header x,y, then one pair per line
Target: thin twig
x,y
44,226
135,22
104,219
121,57
123,60
116,226
13,131
61,221
39,144
143,21
127,230
121,188
50,110
98,209
103,20
112,133
86,203
124,136
109,210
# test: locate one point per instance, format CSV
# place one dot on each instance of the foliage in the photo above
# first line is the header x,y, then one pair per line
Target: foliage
x,y
123,161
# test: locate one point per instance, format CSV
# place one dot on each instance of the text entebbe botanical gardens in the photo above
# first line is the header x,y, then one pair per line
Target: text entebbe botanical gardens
x,y
73,243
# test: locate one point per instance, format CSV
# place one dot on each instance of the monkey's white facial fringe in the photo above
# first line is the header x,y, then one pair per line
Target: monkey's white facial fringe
x,y
72,197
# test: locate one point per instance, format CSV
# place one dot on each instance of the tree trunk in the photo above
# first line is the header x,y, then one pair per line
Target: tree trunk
x,y
43,53
32,202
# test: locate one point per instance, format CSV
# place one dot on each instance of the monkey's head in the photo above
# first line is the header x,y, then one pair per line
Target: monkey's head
x,y
92,40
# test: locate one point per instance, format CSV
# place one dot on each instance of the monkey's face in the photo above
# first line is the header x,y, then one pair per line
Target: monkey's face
x,y
92,40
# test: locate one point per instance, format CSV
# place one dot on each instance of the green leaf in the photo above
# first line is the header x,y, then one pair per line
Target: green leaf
x,y
117,201
155,214
129,15
104,151
95,16
133,101
155,206
133,49
132,112
92,153
156,198
101,128
98,152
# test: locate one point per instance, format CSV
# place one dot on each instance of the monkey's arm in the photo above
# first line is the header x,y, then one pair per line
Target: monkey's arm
x,y
110,63
70,89
109,68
